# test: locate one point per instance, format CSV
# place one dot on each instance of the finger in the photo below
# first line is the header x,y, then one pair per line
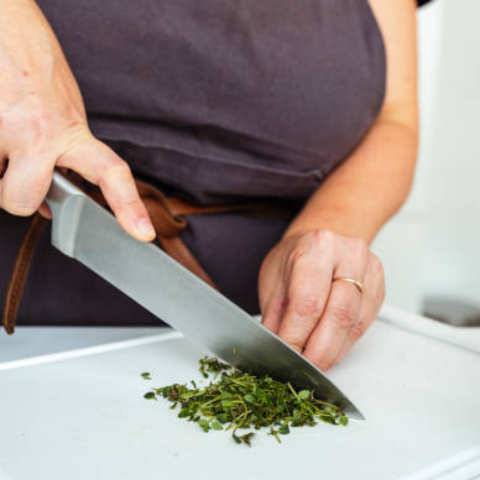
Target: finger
x,y
275,310
308,290
372,301
326,342
100,165
343,308
25,184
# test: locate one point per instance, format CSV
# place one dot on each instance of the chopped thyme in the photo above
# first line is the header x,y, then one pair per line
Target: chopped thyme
x,y
238,400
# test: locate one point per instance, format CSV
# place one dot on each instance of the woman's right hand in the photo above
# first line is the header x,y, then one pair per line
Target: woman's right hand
x,y
43,125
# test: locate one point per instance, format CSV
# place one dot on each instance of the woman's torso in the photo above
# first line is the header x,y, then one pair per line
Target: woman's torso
x,y
215,101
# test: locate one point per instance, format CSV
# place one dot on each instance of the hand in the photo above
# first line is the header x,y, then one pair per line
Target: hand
x,y
43,125
304,307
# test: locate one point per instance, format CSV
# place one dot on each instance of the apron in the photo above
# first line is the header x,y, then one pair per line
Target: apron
x,y
214,102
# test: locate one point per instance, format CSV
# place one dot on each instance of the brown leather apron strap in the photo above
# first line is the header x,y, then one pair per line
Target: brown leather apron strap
x,y
20,272
180,208
167,218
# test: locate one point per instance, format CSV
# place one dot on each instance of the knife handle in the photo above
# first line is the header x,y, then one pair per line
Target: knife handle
x,y
65,201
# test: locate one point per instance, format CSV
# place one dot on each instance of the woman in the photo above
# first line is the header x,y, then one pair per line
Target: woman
x,y
311,104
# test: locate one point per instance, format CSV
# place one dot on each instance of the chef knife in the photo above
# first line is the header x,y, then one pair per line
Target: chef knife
x,y
84,230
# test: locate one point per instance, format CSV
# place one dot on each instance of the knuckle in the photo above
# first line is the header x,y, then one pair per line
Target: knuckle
x,y
359,329
33,112
119,166
358,247
317,242
296,253
314,242
322,238
122,169
114,168
342,317
359,243
307,306
38,121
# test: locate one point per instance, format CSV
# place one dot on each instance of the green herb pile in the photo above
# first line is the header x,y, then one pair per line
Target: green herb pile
x,y
237,401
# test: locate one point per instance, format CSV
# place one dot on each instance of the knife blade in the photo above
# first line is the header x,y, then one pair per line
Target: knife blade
x,y
84,230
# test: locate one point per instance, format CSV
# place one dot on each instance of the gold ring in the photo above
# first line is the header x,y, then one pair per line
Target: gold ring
x,y
357,283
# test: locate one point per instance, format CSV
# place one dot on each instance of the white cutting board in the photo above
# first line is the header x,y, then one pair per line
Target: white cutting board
x,y
84,417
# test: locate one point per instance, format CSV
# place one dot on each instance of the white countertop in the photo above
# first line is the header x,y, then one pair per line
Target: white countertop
x,y
72,407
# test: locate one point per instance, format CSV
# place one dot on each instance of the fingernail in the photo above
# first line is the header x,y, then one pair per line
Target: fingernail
x,y
145,229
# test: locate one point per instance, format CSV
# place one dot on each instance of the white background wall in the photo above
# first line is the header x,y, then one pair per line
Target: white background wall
x,y
433,245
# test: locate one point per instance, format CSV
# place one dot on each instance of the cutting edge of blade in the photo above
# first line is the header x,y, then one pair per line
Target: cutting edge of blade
x,y
349,406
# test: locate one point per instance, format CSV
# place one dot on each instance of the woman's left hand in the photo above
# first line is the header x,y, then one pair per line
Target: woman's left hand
x,y
303,305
